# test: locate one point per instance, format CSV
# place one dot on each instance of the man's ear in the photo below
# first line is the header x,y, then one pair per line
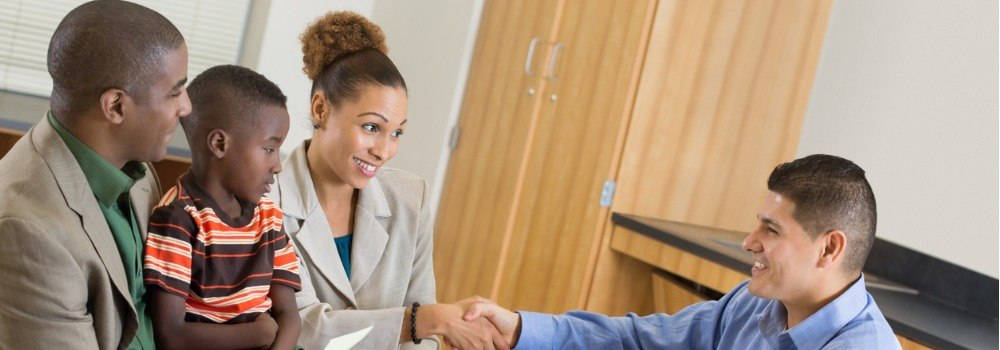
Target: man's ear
x,y
112,105
319,109
834,245
218,142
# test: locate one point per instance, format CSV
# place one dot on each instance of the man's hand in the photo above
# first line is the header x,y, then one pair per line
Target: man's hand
x,y
446,320
505,321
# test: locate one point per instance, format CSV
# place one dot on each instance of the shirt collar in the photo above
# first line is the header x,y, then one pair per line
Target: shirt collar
x,y
823,324
302,200
107,182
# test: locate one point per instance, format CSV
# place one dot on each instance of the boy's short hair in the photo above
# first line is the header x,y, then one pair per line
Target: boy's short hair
x,y
227,97
107,44
830,193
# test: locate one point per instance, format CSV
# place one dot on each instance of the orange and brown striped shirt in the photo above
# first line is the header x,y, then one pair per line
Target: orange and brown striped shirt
x,y
224,267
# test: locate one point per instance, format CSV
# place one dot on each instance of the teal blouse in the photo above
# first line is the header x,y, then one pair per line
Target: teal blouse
x,y
344,249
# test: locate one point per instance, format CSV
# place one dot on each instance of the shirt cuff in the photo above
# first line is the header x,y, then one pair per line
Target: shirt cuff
x,y
537,330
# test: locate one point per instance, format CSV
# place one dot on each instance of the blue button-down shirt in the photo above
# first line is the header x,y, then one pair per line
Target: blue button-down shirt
x,y
739,320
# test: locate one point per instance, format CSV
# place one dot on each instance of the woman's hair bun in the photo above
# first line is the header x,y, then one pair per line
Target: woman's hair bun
x,y
336,34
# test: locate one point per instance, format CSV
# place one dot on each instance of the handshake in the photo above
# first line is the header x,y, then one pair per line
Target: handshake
x,y
472,323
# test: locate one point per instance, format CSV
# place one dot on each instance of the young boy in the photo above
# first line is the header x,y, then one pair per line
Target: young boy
x,y
221,271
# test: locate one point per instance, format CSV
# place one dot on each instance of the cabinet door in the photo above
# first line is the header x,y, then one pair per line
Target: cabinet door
x,y
496,112
590,75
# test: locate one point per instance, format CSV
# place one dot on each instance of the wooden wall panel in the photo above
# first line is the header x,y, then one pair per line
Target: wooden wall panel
x,y
7,140
669,296
170,169
721,111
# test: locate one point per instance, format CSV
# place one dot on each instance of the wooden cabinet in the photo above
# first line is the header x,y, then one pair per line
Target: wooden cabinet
x,y
907,344
723,93
669,296
546,103
684,104
555,227
496,116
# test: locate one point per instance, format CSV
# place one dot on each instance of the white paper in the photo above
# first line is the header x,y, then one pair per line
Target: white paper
x,y
347,341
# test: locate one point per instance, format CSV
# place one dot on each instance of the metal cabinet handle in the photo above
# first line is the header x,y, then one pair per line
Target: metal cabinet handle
x,y
531,55
550,72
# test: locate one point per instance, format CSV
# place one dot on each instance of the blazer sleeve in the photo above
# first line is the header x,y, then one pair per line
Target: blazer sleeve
x,y
46,281
422,285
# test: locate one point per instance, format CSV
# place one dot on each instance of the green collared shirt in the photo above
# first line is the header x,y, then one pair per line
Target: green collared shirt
x,y
111,188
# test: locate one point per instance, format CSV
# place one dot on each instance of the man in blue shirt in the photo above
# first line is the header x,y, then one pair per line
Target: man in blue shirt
x,y
806,291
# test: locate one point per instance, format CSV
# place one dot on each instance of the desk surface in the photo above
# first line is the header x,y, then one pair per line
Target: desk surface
x,y
912,315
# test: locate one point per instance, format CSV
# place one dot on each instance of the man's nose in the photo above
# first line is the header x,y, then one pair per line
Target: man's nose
x,y
750,242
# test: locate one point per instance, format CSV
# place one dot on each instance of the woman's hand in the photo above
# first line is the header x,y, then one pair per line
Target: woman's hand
x,y
445,320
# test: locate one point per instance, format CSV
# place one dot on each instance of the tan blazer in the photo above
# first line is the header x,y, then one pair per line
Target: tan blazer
x,y
62,282
391,257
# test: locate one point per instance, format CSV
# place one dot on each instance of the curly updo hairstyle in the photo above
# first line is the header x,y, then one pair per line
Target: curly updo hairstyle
x,y
343,52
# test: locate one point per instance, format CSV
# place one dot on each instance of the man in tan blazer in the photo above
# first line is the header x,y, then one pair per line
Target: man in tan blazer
x,y
76,192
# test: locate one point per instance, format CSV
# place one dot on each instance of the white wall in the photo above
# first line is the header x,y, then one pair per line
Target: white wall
x,y
280,57
431,42
908,90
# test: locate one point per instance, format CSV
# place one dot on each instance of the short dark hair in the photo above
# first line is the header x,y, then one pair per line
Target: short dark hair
x,y
226,97
107,44
830,193
343,52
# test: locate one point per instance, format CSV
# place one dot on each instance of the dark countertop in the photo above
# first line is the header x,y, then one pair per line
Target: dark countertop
x,y
919,316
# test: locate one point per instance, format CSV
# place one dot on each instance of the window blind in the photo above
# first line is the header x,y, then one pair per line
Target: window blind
x,y
212,29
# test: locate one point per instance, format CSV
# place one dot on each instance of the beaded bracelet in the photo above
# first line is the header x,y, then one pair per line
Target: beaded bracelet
x,y
413,323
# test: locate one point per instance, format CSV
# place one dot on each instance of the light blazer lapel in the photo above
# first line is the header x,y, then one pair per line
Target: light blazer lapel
x,y
79,197
370,236
317,243
298,201
142,195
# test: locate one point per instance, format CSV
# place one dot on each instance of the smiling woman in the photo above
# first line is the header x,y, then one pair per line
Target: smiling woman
x,y
363,231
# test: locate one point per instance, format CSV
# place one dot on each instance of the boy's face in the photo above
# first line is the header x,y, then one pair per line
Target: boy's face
x,y
149,123
252,160
361,135
785,256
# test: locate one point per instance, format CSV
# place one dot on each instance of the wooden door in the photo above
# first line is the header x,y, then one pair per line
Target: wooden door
x,y
720,103
590,76
495,120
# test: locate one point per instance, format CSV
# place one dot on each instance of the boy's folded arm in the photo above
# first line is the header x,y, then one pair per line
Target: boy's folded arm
x,y
173,332
286,314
